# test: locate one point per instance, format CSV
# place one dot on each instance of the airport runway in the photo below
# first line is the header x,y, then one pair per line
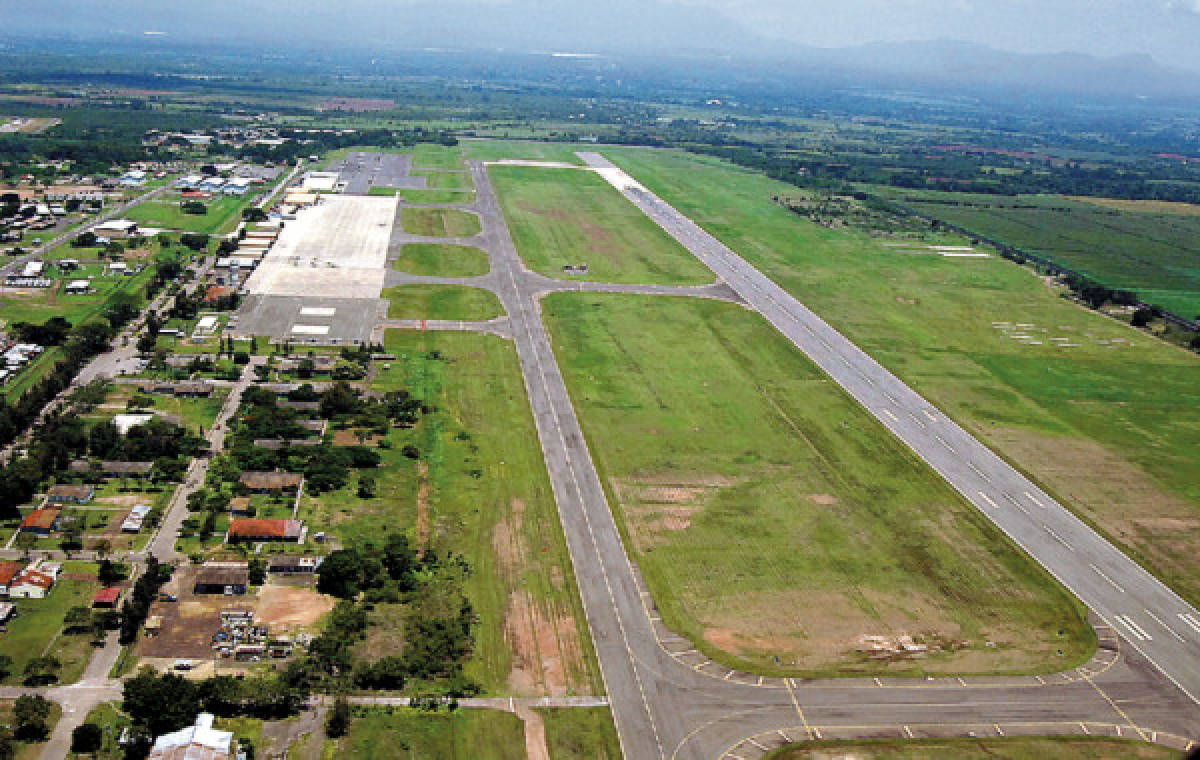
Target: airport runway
x,y
670,702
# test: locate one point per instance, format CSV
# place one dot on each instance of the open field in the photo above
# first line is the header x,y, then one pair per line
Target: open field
x,y
222,216
480,490
581,733
441,260
444,180
437,196
442,302
1079,418
194,413
440,222
561,217
402,734
430,156
36,631
777,523
494,150
1149,250
975,749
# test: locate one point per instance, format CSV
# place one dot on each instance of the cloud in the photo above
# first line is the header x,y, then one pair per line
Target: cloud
x,y
1191,6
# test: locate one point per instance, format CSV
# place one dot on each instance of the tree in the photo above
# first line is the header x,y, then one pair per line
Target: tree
x,y
160,704
339,719
340,574
6,664
78,619
41,671
1142,317
86,738
103,547
254,214
258,571
30,712
110,572
366,487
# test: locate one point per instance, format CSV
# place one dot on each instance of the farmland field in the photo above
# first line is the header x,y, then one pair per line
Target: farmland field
x,y
564,217
774,518
1080,418
441,260
484,494
442,302
977,749
439,222
1151,251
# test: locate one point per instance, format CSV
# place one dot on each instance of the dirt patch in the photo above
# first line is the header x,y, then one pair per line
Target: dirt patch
x,y
125,499
423,518
543,643
824,499
547,655
291,607
350,438
663,503
600,238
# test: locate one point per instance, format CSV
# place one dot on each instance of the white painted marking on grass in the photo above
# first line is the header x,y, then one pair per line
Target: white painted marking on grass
x,y
1111,582
1057,537
1138,632
1191,620
1168,628
1034,500
988,499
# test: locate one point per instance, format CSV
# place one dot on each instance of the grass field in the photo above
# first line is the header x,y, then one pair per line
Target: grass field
x,y
976,749
439,222
1083,420
442,260
37,628
442,302
195,413
484,495
408,734
581,733
494,150
431,156
1144,248
27,750
443,180
437,196
774,518
223,215
564,217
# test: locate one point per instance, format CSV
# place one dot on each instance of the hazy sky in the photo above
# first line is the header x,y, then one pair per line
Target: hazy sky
x,y
1169,30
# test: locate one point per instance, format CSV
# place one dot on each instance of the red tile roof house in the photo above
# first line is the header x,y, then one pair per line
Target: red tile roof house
x,y
41,522
9,571
35,581
249,529
107,597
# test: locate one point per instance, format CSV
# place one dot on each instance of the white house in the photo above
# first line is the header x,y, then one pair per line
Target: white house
x,y
35,581
198,741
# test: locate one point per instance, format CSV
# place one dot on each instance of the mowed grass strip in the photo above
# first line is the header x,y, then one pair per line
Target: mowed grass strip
x,y
566,217
430,156
1109,423
581,733
445,180
402,734
222,215
442,302
437,196
529,150
480,489
442,260
777,523
1014,748
439,222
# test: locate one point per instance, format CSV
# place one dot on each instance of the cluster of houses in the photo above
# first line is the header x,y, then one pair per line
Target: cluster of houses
x,y
197,183
33,580
16,356
33,275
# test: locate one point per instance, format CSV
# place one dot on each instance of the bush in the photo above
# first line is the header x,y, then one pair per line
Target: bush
x,y
86,738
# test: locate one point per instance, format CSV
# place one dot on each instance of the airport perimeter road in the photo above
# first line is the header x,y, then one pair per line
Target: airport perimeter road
x,y
1150,617
669,701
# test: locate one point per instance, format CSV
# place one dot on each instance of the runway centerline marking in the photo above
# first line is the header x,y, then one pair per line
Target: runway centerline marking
x,y
1111,582
1057,537
989,500
1191,620
1035,500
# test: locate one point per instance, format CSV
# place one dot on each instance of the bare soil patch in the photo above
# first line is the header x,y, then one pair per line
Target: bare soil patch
x,y
824,499
350,438
423,496
126,499
291,607
662,503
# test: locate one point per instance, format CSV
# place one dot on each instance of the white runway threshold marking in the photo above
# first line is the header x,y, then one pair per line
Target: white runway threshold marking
x,y
1138,632
1191,620
310,329
988,499
318,311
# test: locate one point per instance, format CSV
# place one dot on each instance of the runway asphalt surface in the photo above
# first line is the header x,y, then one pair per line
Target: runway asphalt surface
x,y
669,701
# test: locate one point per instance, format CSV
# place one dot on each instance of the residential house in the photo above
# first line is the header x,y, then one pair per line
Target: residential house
x,y
41,522
250,529
107,598
222,578
68,494
35,581
9,570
